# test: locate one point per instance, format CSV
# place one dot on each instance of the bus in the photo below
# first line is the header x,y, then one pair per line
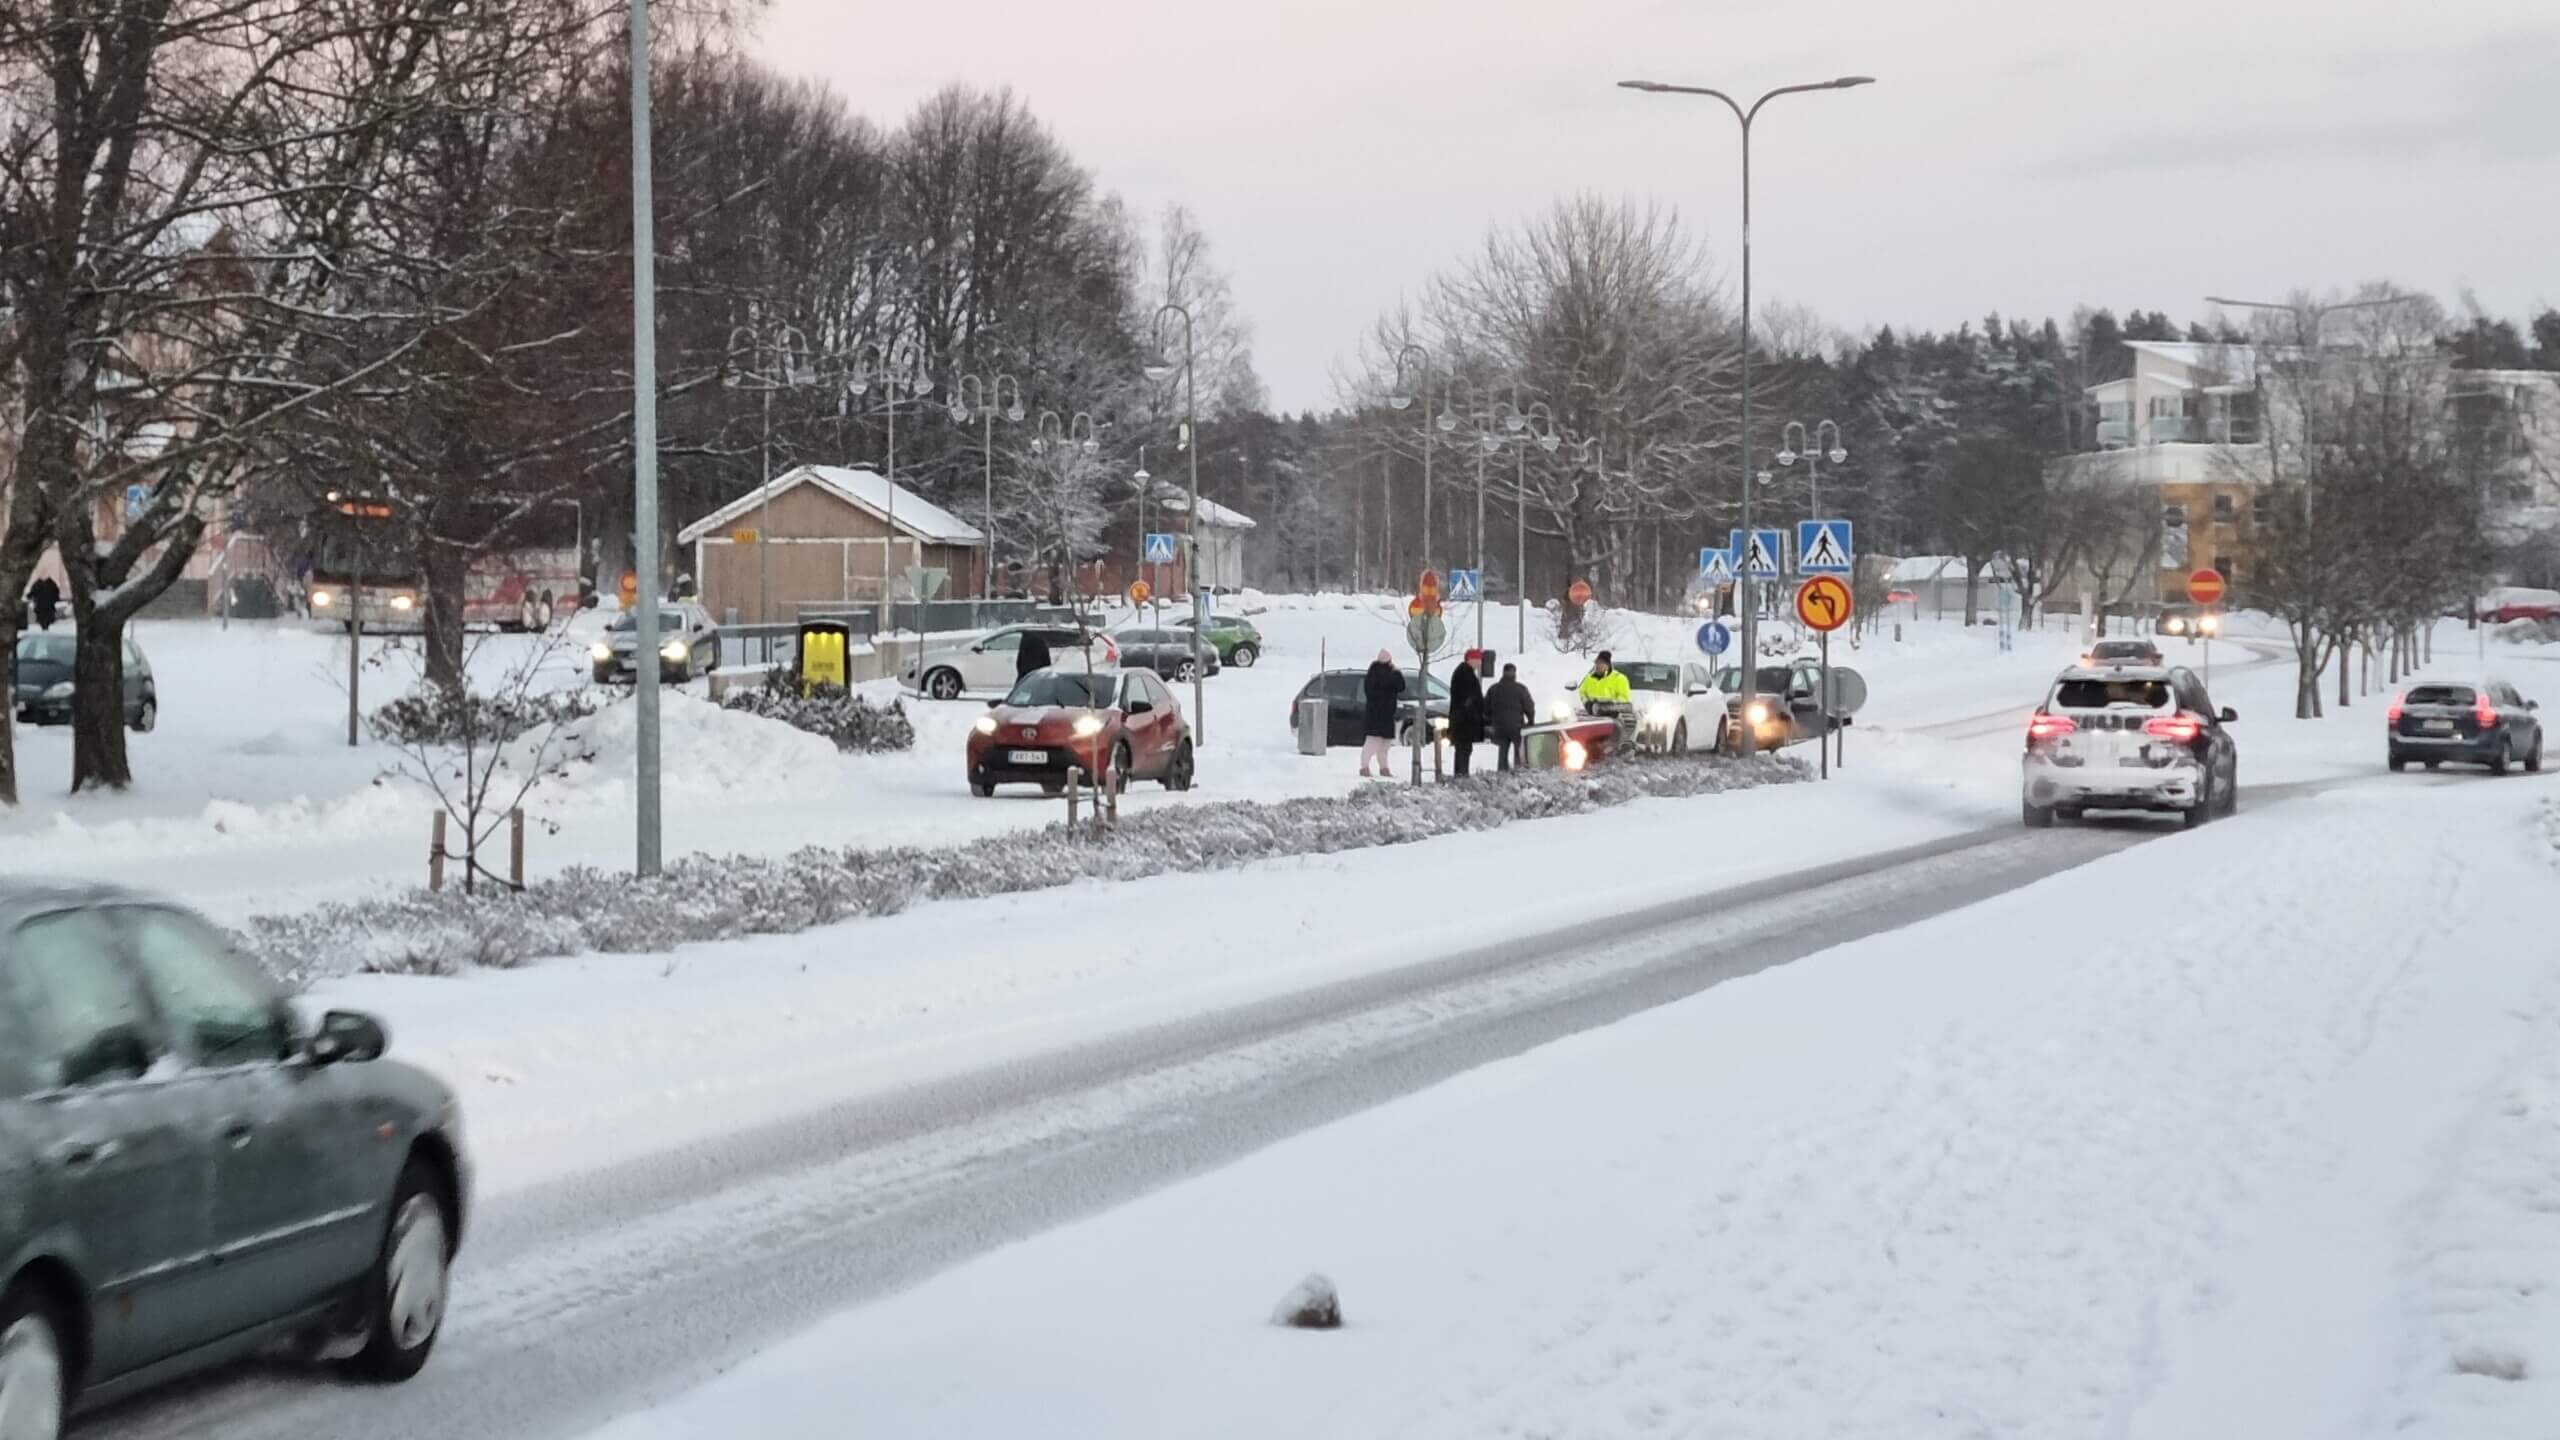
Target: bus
x,y
364,569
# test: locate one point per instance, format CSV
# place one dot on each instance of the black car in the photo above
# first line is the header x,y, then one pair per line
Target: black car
x,y
1166,652
43,694
194,1172
1344,704
2483,722
2123,652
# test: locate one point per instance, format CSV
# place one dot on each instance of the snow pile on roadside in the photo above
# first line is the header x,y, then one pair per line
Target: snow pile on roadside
x,y
705,750
714,898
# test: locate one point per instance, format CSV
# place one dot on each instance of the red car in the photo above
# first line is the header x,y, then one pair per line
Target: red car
x,y
1064,717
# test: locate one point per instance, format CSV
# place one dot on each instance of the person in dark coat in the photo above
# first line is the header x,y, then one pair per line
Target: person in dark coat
x,y
1466,710
1380,690
1034,654
45,599
1508,710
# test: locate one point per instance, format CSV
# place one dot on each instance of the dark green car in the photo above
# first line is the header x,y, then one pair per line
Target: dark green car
x,y
1234,638
193,1173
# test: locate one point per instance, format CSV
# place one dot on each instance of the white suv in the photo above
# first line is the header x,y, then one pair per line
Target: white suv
x,y
2129,737
991,661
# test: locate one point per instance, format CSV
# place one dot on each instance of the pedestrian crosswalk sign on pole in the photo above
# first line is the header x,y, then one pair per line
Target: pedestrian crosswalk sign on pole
x,y
1715,566
1823,548
1159,549
1757,553
1466,584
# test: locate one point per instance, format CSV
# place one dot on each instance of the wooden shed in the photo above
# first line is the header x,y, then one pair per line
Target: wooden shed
x,y
821,537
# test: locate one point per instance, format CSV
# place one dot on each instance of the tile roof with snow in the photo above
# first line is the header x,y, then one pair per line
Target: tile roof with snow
x,y
861,487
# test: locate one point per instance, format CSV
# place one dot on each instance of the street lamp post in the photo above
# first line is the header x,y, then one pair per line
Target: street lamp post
x,y
1077,432
1526,431
2307,320
990,402
880,362
1160,369
644,453
1750,630
1814,455
786,345
1400,399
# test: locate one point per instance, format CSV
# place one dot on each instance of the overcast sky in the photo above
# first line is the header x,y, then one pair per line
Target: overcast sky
x,y
2019,155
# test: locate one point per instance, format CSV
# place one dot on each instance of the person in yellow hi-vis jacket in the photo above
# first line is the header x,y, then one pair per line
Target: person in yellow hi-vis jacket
x,y
1604,683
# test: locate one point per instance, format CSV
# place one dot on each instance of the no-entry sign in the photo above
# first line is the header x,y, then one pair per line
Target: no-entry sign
x,y
2205,586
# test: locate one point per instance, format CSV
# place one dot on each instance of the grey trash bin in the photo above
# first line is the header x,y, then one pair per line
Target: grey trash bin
x,y
1311,726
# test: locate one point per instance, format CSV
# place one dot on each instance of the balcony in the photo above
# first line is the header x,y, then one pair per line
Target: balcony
x,y
2182,430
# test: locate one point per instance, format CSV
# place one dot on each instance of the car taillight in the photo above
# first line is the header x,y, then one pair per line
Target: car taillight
x,y
2481,707
2391,716
2045,727
2181,728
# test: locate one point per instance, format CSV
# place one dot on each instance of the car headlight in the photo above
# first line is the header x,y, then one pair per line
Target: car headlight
x,y
1561,710
1575,755
1662,714
322,599
1088,726
603,650
2176,627
672,650
61,691
986,725
1439,722
402,602
1758,714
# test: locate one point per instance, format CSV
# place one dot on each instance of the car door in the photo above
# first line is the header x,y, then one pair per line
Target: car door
x,y
1141,724
121,1172
286,1216
989,664
1345,706
2219,753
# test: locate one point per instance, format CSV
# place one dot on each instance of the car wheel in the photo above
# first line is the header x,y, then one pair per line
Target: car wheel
x,y
984,792
145,720
2038,817
2399,763
2533,761
404,1296
1120,762
1680,738
33,1384
1178,775
2201,811
528,614
2498,763
943,684
1047,787
1243,657
548,610
2431,766
2068,813
1185,672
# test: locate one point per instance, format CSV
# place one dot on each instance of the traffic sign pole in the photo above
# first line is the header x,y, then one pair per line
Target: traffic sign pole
x,y
1824,744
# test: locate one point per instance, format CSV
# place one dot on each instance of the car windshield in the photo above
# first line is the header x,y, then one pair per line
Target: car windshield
x,y
1651,675
1772,679
2457,696
2117,649
44,649
1059,687
2111,694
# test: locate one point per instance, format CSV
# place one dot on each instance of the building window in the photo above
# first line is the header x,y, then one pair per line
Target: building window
x,y
2262,508
2173,515
2114,412
2224,511
2227,568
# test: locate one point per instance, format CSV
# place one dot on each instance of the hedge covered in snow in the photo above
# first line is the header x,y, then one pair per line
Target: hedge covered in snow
x,y
853,723
723,897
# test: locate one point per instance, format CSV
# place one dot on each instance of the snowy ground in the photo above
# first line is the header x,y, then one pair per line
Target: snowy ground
x,y
2266,1151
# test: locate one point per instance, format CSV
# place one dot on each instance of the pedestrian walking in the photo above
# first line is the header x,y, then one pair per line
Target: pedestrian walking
x,y
45,599
1034,654
1508,710
1466,710
1380,690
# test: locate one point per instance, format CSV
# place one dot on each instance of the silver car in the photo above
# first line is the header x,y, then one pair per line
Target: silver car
x,y
193,1172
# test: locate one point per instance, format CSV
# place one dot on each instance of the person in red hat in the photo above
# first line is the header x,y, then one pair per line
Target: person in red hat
x,y
1466,710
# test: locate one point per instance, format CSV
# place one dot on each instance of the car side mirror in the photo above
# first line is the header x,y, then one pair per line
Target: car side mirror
x,y
1699,690
347,1036
995,702
2229,715
2533,704
1142,707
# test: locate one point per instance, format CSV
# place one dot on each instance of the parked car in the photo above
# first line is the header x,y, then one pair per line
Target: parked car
x,y
1066,716
2472,722
952,669
688,645
2122,652
1166,652
194,1172
1785,705
2129,738
43,685
1343,705
1237,642
2517,602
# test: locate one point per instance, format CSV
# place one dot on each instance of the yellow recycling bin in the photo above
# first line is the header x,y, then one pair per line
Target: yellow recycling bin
x,y
822,654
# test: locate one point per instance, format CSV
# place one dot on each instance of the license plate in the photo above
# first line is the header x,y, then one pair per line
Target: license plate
x,y
2442,726
1028,757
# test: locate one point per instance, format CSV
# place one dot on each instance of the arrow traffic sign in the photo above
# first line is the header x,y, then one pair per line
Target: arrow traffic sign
x,y
1140,592
1159,549
1715,565
1756,553
1822,603
1822,548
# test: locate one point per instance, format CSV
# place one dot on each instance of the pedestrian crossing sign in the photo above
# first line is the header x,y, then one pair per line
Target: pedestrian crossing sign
x,y
1466,584
1822,548
1715,565
1758,553
1159,549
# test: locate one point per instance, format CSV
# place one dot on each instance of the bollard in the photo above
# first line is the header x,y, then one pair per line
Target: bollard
x,y
435,855
1109,811
1075,782
515,849
1897,632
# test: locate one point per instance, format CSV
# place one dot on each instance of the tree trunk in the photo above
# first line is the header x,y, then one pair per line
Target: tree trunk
x,y
2306,671
98,759
447,571
2338,651
9,710
1972,580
